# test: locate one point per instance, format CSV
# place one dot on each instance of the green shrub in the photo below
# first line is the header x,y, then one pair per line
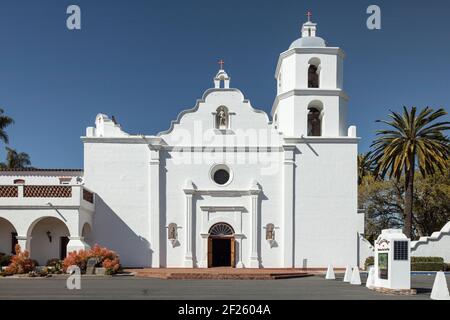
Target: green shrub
x,y
370,261
419,264
428,266
54,266
427,260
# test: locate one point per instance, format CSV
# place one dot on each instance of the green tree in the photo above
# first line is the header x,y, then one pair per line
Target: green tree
x,y
411,140
5,121
383,204
365,166
431,202
15,160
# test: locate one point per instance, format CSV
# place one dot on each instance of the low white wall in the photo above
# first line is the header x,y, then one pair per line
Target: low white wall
x,y
366,250
437,245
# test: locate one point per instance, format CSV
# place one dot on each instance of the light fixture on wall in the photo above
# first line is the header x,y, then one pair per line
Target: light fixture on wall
x,y
49,235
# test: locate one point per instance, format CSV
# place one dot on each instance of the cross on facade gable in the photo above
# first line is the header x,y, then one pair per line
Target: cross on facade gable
x,y
309,15
221,63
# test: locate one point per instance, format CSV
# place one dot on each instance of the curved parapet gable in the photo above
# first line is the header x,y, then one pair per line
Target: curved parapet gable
x,y
202,115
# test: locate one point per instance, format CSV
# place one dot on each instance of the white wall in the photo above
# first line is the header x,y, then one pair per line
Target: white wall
x,y
6,228
366,250
326,218
437,245
295,64
39,177
117,172
249,129
41,248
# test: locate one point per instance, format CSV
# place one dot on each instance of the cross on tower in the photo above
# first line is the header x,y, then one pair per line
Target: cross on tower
x,y
309,15
221,62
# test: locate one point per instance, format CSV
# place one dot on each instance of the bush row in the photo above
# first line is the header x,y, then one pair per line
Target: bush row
x,y
428,266
419,264
20,263
105,258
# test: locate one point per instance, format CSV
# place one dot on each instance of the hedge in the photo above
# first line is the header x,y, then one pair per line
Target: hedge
x,y
419,264
428,266
427,259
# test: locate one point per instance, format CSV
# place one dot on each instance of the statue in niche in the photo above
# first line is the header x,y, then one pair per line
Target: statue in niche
x,y
173,232
222,118
270,232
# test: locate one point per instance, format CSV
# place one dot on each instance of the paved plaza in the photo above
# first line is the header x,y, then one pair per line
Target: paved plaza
x,y
128,287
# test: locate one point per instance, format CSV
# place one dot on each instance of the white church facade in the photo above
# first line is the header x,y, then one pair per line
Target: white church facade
x,y
225,185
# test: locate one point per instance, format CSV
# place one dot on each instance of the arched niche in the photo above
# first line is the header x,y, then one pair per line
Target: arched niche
x,y
314,73
315,115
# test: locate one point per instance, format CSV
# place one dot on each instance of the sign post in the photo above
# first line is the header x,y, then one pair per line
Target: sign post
x,y
393,262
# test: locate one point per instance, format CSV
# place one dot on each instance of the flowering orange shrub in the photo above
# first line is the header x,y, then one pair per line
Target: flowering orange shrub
x,y
111,266
106,258
75,258
102,253
20,263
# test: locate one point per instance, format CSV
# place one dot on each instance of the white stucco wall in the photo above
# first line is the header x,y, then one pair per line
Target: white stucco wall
x,y
326,220
41,248
40,177
6,229
436,245
366,250
118,174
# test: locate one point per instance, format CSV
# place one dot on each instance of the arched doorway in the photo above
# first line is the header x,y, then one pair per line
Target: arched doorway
x,y
221,246
49,239
8,237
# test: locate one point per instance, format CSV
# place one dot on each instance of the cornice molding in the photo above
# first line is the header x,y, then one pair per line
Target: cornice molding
x,y
301,140
148,140
308,92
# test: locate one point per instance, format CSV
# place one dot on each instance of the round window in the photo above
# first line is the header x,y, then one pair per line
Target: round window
x,y
221,175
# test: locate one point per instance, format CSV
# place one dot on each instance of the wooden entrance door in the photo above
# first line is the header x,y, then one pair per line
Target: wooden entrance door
x,y
221,252
232,253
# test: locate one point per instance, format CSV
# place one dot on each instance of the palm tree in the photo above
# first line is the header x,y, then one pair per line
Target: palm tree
x,y
4,122
15,160
413,140
365,166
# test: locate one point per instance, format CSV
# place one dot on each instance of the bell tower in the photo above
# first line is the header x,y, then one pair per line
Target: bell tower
x,y
310,98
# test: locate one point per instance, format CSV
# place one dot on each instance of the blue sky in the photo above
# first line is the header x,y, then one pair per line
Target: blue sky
x,y
145,61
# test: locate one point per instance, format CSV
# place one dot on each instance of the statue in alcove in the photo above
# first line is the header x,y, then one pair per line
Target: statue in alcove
x,y
222,118
172,232
270,232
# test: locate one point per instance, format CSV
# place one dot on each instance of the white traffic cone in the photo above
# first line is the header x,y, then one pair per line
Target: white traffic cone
x,y
356,277
330,273
440,289
370,283
348,274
